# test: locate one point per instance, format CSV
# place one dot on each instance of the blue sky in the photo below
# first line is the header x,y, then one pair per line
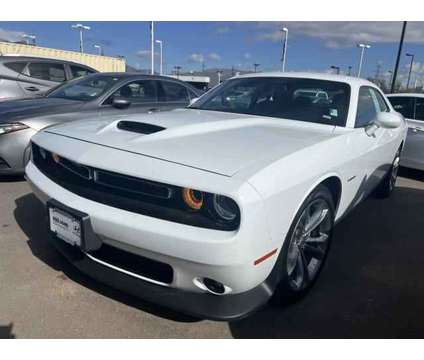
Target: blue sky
x,y
312,45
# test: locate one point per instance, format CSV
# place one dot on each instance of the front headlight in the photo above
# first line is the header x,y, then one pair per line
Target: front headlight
x,y
219,208
8,128
225,208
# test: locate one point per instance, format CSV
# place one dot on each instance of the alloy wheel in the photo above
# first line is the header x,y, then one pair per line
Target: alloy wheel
x,y
309,244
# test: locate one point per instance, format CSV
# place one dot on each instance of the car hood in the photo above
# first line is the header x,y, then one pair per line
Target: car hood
x,y
22,109
217,142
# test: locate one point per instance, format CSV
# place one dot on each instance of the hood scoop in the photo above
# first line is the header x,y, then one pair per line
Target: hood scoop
x,y
139,127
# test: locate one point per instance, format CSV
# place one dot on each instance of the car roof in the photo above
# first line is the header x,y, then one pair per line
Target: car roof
x,y
407,95
7,58
311,75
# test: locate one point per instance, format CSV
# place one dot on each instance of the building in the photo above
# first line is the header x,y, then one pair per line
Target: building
x,y
100,63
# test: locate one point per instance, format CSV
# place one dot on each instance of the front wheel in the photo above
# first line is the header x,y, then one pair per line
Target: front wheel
x,y
306,245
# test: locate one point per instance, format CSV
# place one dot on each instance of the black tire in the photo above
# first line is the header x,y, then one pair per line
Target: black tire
x,y
287,290
387,185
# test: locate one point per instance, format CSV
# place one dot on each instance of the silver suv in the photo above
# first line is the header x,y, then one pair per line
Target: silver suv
x,y
22,76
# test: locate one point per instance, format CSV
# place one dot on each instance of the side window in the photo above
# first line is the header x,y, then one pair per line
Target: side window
x,y
78,71
141,91
174,92
404,105
382,106
16,66
367,107
47,71
419,109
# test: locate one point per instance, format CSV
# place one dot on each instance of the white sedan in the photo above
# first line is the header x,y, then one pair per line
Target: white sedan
x,y
411,106
214,209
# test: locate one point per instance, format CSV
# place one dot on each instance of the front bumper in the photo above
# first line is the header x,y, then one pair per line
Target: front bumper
x,y
227,257
15,151
200,305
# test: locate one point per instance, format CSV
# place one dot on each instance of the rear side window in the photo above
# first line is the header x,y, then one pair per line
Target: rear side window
x,y
78,71
16,66
174,92
404,105
47,71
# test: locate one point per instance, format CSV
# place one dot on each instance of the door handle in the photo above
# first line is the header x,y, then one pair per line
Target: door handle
x,y
32,88
152,110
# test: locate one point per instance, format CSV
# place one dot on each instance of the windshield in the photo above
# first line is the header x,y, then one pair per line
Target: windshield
x,y
311,100
85,89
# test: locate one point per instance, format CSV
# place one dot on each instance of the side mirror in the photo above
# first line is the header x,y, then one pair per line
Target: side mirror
x,y
192,101
121,103
389,120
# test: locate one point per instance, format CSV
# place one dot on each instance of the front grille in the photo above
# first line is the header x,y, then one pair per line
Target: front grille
x,y
135,264
125,192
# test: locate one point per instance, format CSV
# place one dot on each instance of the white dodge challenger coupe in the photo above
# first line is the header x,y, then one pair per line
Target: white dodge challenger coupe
x,y
214,209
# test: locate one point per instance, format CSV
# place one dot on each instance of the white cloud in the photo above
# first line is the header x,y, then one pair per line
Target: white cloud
x,y
214,57
247,56
6,35
337,34
195,57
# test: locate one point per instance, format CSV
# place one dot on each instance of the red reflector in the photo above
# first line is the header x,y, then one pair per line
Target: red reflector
x,y
266,256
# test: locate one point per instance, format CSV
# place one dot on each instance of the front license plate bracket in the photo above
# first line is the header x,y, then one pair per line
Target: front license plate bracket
x,y
89,240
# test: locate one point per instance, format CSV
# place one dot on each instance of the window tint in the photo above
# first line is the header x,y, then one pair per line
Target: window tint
x,y
404,105
78,71
174,92
419,109
16,66
47,71
367,107
310,100
137,92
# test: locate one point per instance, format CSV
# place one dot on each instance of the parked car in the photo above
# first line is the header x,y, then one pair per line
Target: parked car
x,y
411,106
93,95
213,209
22,76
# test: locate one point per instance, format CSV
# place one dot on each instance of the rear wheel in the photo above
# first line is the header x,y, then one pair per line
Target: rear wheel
x,y
306,246
387,185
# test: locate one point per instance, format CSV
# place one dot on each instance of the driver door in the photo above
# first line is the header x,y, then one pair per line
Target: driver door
x,y
142,95
373,146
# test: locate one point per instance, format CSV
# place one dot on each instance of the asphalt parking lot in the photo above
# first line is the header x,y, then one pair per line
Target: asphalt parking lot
x,y
372,285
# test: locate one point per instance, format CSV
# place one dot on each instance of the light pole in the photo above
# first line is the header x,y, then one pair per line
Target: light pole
x,y
256,66
283,55
152,47
177,70
100,48
219,72
363,47
161,55
81,28
28,38
410,68
395,71
337,68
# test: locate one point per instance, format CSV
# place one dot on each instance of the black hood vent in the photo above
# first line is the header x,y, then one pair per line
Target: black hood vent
x,y
137,127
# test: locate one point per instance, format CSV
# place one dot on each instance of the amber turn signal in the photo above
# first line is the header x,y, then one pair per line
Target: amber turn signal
x,y
193,198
